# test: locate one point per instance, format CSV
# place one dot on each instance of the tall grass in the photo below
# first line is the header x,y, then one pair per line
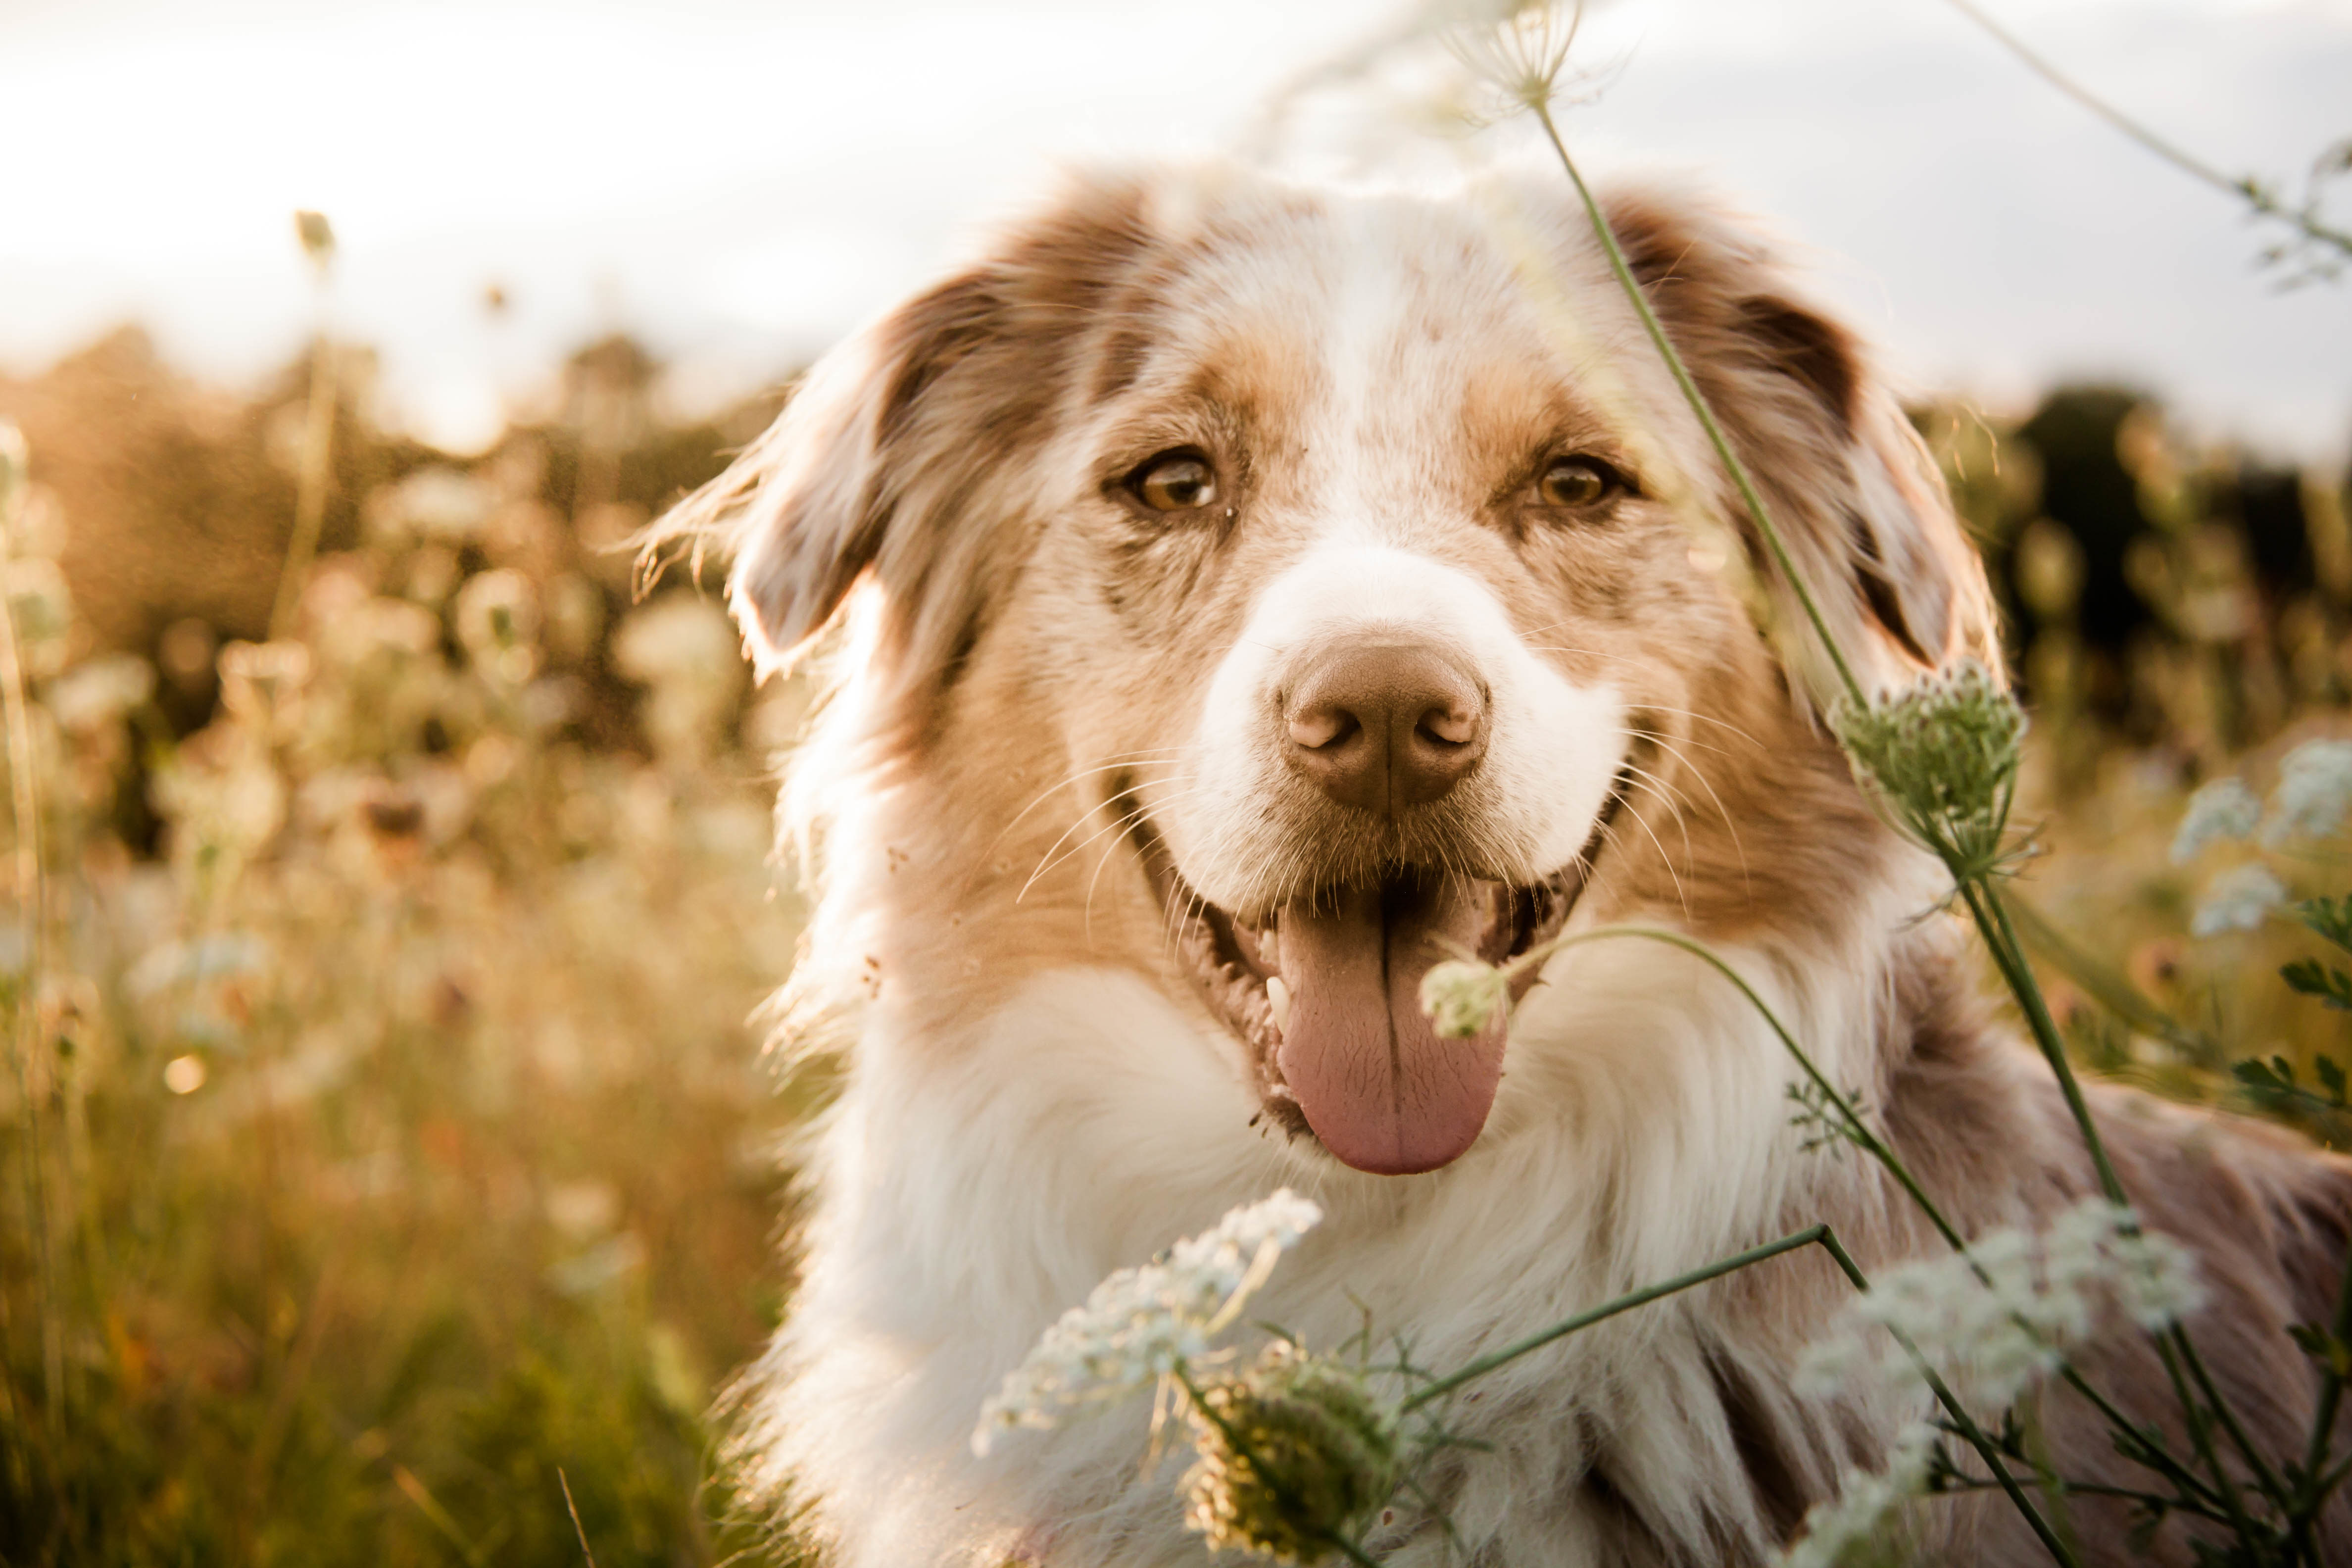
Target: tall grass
x,y
386,1145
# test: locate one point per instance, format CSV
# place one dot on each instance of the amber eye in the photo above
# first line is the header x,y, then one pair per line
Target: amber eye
x,y
1578,482
1174,481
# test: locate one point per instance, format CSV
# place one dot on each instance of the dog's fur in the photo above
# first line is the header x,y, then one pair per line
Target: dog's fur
x,y
1043,688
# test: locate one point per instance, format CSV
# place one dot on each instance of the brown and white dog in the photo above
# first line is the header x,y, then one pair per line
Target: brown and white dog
x,y
1253,593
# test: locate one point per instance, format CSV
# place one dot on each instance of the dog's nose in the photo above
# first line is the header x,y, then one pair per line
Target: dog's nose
x,y
1386,726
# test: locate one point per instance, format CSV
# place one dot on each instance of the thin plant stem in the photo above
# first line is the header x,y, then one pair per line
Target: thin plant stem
x,y
1698,404
2245,187
2173,1346
32,902
1999,936
579,1530
311,496
1808,1236
2084,1489
2323,1421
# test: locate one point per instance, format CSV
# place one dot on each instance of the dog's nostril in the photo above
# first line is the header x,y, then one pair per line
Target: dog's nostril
x,y
1382,727
1452,726
1319,727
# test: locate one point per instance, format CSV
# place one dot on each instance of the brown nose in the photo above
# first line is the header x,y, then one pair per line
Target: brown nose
x,y
1384,727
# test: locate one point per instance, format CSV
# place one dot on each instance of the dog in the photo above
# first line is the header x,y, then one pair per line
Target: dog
x,y
1239,595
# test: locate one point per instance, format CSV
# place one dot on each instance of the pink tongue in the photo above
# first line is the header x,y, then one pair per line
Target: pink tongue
x,y
1382,1091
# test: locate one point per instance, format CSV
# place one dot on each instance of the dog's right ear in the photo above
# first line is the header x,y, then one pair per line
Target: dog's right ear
x,y
889,463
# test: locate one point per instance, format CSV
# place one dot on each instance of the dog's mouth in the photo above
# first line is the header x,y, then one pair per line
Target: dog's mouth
x,y
1324,993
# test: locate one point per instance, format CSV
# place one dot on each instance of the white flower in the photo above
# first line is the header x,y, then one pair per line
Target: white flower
x,y
1462,997
2237,900
1993,1337
1858,1515
2224,808
90,696
1990,1337
2314,789
1141,1323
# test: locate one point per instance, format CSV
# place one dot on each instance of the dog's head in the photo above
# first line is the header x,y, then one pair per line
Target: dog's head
x,y
1354,550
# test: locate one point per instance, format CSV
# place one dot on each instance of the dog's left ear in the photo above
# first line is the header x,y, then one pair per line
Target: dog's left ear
x,y
1857,498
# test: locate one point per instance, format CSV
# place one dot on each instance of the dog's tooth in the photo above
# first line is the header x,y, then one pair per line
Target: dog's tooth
x,y
1277,996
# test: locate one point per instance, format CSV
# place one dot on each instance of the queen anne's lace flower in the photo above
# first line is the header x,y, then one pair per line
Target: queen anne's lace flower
x,y
2237,900
2224,808
2315,790
1292,1451
1990,1337
1944,754
1993,1337
1141,1323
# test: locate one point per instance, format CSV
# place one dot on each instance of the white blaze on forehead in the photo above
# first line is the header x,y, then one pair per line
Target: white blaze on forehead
x,y
1556,745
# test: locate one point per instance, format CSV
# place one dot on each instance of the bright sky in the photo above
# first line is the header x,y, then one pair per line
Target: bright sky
x,y
739,183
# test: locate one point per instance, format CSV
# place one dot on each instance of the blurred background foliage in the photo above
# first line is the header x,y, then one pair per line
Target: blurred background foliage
x,y
387,1147
389,1170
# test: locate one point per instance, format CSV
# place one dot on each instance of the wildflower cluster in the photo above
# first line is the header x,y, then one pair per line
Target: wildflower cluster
x,y
1291,1452
2309,801
2223,809
1944,755
2001,1316
1143,1324
1994,1321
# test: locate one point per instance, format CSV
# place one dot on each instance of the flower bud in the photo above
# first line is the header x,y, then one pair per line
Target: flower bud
x,y
1462,997
1944,754
1292,1452
317,238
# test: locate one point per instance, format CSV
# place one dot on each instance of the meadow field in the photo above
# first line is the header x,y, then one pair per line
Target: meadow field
x,y
391,1175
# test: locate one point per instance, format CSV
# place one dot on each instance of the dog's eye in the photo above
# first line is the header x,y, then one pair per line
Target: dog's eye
x,y
1579,482
1174,481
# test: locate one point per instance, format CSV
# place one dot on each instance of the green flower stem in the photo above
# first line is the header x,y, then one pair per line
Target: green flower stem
x,y
1856,1127
1348,1549
2245,187
2089,1489
1993,924
1808,1236
2174,1347
1697,401
2322,1423
2335,1478
2104,984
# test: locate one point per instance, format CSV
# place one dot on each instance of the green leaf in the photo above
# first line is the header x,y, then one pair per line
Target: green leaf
x,y
2331,917
2331,1078
2313,978
2275,1076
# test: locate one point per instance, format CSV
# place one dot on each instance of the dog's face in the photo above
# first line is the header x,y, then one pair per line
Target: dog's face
x,y
1342,546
